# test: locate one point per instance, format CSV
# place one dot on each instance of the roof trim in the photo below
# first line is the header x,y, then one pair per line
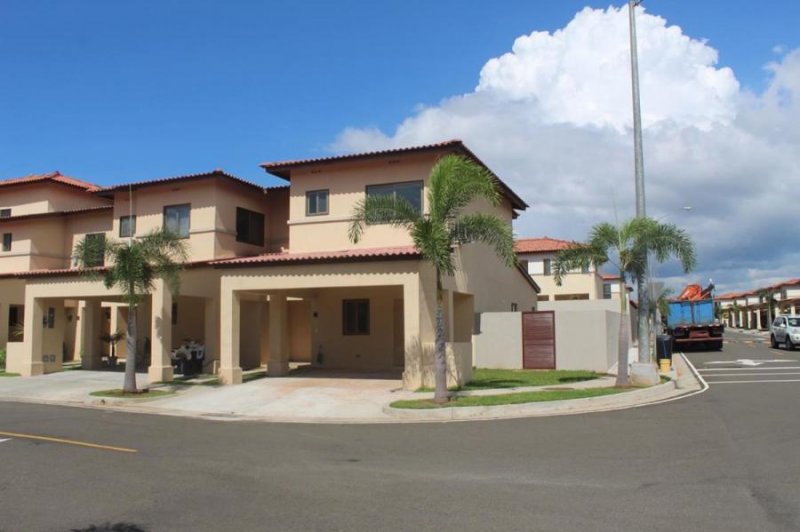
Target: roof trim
x,y
74,272
52,177
350,255
283,169
53,214
216,173
543,244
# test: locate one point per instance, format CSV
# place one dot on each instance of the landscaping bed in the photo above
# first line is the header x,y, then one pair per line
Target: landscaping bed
x,y
509,398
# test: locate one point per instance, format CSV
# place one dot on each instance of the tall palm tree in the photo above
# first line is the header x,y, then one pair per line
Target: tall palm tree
x,y
625,247
133,266
454,183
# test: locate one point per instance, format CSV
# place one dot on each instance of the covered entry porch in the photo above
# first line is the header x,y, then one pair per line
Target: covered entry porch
x,y
374,317
71,318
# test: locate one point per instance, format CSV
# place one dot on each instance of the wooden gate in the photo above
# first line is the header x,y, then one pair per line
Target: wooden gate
x,y
539,340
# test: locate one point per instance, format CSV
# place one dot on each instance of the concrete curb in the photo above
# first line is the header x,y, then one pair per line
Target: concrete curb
x,y
688,383
684,384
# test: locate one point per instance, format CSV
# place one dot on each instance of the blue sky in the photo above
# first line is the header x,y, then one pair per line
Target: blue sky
x,y
117,91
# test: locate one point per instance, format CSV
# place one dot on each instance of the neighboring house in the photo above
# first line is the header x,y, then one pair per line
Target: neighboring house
x,y
748,310
538,256
272,276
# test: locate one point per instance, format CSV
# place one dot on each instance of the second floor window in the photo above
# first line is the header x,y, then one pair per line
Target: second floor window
x,y
7,242
547,265
96,244
316,202
249,227
606,291
410,191
176,219
127,226
5,213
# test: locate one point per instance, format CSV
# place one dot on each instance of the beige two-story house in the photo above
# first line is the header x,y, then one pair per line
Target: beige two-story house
x,y
272,277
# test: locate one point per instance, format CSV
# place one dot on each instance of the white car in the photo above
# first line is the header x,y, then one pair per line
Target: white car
x,y
785,330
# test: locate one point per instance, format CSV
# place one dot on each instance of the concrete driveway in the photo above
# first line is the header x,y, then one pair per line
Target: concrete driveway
x,y
307,396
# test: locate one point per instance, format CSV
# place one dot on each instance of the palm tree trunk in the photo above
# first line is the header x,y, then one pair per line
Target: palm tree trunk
x,y
130,357
624,326
440,358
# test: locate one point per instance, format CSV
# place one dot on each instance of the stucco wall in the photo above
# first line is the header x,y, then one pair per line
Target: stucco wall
x,y
42,197
498,344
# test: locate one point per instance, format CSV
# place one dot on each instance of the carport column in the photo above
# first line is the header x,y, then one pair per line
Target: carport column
x,y
412,372
91,327
211,318
278,362
160,333
230,371
3,324
758,318
32,362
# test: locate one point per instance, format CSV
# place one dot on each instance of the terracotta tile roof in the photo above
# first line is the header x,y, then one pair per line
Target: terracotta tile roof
x,y
217,172
609,276
348,255
74,272
56,213
540,245
54,177
283,169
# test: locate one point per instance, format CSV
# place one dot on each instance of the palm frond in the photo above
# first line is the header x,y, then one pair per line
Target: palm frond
x,y
578,256
455,182
488,229
433,240
382,209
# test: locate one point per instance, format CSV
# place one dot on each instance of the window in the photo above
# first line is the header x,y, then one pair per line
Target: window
x,y
316,202
355,316
514,307
5,213
95,245
542,298
249,227
571,297
174,313
606,291
547,264
127,226
6,241
176,219
410,191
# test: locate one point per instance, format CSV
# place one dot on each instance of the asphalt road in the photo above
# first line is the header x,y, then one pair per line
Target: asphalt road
x,y
727,459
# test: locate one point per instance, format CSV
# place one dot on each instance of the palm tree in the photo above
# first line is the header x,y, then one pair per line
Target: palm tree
x,y
661,305
626,247
454,183
134,265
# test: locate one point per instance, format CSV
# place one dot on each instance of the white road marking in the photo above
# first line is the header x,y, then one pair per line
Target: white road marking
x,y
748,382
716,375
773,368
5,440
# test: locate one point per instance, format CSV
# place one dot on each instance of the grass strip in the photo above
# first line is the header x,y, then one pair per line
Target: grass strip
x,y
509,398
492,379
143,394
7,374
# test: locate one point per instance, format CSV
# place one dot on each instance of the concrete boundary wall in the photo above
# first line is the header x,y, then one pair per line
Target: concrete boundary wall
x,y
498,342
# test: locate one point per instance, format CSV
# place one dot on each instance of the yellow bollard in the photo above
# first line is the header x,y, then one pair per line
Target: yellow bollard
x,y
666,365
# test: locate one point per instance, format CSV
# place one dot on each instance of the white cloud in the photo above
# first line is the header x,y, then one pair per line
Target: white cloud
x,y
553,118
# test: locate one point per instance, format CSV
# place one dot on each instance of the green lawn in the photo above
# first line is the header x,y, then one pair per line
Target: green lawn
x,y
4,374
509,398
484,379
144,394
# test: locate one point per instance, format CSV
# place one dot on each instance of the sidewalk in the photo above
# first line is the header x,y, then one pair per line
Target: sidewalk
x,y
315,399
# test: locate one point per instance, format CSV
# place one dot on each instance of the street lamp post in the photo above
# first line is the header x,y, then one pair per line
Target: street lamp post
x,y
641,212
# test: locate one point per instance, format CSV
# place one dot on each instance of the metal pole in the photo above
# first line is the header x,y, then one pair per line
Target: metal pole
x,y
642,281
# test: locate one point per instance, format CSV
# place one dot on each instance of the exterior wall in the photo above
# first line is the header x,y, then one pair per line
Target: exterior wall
x,y
586,334
229,196
277,237
77,227
347,184
574,283
42,197
498,344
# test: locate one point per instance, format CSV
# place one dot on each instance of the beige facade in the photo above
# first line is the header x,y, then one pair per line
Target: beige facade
x,y
748,310
269,282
